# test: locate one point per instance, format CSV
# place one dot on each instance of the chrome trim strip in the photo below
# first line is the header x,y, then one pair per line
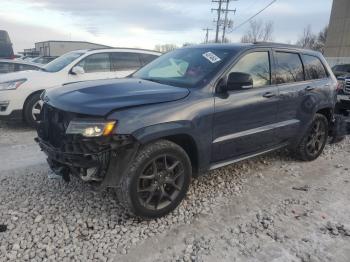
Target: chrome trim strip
x,y
255,130
232,161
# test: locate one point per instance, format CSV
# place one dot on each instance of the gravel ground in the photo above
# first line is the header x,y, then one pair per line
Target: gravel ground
x,y
269,208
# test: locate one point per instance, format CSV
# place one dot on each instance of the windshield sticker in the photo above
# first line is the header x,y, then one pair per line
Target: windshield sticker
x,y
211,57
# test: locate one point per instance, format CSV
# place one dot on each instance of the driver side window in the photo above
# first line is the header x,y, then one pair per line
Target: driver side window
x,y
257,64
96,63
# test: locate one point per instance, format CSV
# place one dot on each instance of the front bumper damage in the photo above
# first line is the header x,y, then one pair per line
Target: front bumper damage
x,y
99,160
102,160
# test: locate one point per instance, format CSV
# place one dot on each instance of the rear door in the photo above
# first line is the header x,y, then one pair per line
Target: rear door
x,y
293,107
244,120
125,63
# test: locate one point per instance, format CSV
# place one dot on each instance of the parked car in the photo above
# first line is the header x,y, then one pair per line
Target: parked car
x,y
343,105
43,59
6,50
189,111
10,66
341,70
20,92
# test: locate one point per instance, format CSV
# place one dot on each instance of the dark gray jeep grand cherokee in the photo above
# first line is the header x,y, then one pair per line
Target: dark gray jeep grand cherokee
x,y
189,111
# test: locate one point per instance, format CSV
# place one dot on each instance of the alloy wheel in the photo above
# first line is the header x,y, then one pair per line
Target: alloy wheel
x,y
160,182
36,110
316,138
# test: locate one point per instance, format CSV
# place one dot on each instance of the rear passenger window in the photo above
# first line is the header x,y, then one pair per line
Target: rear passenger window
x,y
289,68
125,61
314,68
96,63
256,64
147,58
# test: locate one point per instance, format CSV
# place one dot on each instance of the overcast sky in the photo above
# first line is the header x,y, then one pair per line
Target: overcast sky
x,y
141,23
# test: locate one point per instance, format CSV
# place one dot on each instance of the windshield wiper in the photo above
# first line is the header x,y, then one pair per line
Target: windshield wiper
x,y
152,80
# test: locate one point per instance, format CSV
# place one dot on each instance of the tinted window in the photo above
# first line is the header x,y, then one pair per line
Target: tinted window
x,y
125,61
147,58
6,68
342,68
256,64
289,68
96,63
314,68
21,67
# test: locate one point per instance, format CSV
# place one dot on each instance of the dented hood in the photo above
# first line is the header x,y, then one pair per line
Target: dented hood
x,y
103,96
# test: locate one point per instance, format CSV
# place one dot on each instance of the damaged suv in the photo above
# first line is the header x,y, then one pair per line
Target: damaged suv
x,y
189,111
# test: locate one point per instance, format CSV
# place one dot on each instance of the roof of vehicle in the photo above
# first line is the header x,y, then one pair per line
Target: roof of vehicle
x,y
22,62
122,49
241,46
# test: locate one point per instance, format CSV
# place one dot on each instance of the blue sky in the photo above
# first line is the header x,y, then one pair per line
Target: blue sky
x,y
144,24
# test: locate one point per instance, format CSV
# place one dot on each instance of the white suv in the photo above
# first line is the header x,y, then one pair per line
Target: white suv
x,y
20,91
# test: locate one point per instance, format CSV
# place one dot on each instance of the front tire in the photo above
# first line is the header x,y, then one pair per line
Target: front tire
x,y
313,142
157,180
32,109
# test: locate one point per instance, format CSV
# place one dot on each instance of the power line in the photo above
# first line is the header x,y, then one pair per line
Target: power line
x,y
250,18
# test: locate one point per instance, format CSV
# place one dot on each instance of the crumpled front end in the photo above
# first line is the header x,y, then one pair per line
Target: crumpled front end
x,y
93,159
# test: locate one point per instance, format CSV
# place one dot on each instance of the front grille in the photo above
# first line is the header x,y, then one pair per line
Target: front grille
x,y
54,124
347,86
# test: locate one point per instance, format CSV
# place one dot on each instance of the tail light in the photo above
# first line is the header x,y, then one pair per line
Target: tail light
x,y
340,85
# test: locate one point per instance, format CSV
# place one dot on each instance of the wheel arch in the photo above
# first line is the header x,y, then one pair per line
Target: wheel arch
x,y
179,133
27,99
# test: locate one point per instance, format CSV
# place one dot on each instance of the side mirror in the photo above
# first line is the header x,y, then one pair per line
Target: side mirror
x,y
238,81
77,70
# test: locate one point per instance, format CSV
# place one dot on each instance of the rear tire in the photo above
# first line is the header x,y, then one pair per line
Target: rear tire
x,y
157,180
313,142
32,109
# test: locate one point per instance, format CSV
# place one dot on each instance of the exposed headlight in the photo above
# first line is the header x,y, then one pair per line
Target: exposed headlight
x,y
90,128
11,85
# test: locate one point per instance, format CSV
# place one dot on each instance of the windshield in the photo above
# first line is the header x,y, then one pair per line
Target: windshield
x,y
186,67
61,62
342,68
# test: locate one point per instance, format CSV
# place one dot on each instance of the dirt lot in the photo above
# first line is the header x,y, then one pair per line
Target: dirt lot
x,y
270,208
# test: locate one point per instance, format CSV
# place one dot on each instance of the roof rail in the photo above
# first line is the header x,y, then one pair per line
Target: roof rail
x,y
275,43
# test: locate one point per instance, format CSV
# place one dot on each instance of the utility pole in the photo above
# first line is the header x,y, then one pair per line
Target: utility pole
x,y
226,22
218,19
207,34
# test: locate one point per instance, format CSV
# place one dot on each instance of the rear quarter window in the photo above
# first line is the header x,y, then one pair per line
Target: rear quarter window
x,y
314,69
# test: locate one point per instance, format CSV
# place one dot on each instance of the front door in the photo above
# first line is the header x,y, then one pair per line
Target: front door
x,y
96,67
244,120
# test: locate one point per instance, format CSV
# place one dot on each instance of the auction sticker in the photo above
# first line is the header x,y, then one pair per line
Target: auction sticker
x,y
211,57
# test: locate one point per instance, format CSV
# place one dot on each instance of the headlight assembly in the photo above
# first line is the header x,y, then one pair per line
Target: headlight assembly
x,y
11,85
91,128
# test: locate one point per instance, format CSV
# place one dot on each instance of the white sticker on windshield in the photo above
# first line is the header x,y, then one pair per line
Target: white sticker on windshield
x,y
211,57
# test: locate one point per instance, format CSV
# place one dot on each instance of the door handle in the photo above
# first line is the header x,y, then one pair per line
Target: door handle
x,y
269,95
309,88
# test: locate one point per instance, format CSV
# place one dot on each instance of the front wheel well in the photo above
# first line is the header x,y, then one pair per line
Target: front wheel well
x,y
32,94
189,145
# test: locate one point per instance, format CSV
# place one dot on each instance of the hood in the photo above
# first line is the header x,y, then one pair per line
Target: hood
x,y
103,96
22,74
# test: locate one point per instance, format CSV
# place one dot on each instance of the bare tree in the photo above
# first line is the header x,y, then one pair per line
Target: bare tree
x,y
165,48
308,39
313,41
258,32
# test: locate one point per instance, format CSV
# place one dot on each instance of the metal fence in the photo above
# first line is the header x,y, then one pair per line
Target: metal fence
x,y
338,60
